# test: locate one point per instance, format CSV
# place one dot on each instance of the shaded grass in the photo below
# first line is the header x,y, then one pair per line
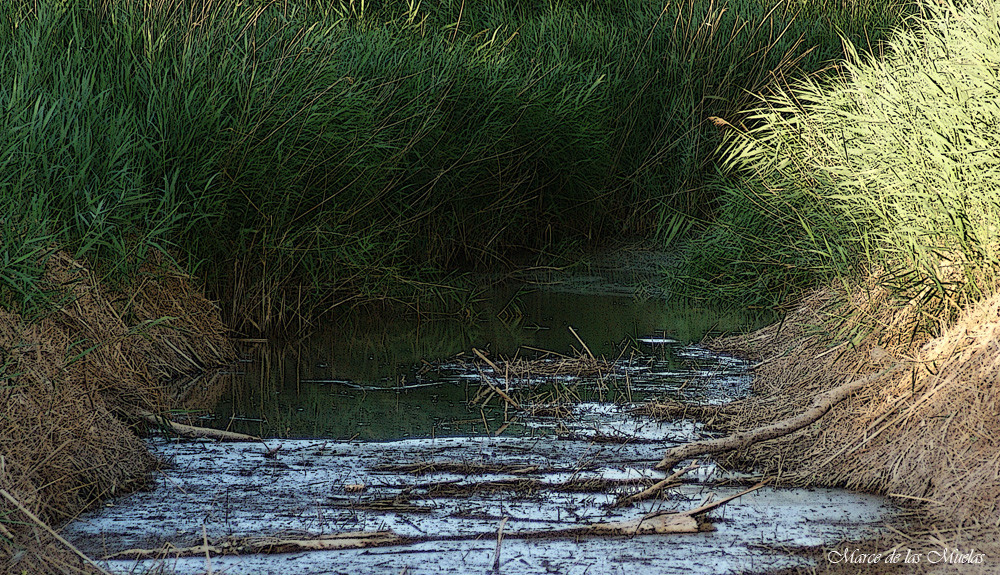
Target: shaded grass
x,y
302,155
890,167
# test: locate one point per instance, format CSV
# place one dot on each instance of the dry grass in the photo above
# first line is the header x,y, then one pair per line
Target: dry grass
x,y
927,436
712,416
549,365
70,382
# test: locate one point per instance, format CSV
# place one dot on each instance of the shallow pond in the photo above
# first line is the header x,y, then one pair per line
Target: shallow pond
x,y
376,426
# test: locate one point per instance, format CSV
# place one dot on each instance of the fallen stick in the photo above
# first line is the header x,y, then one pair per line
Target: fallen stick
x,y
208,556
820,405
191,431
710,506
269,545
585,348
655,489
660,523
663,522
496,560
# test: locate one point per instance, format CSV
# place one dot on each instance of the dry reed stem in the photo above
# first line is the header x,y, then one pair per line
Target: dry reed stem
x,y
191,431
269,545
656,488
820,405
73,382
34,518
513,403
927,434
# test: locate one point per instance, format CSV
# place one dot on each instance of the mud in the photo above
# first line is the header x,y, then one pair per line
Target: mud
x,y
458,489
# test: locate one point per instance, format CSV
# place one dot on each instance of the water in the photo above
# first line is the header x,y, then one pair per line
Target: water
x,y
234,490
384,378
386,405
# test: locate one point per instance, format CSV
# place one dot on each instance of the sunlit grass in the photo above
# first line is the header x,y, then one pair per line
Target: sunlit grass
x,y
298,155
890,167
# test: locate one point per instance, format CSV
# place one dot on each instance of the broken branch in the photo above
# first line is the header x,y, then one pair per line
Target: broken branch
x,y
656,488
820,405
356,540
34,518
191,431
663,521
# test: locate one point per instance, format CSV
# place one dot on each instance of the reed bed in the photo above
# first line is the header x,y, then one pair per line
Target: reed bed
x,y
880,183
300,155
887,166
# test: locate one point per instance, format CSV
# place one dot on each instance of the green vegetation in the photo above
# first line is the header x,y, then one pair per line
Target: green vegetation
x,y
891,168
299,154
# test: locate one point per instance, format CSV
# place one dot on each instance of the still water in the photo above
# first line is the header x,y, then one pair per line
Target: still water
x,y
382,378
369,426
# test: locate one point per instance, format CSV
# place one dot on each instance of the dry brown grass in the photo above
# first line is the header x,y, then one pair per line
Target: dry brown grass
x,y
927,436
70,383
549,365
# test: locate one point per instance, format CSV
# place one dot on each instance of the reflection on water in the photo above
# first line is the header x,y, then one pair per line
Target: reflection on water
x,y
380,379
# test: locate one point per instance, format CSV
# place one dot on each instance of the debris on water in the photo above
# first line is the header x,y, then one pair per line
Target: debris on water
x,y
528,465
662,340
447,496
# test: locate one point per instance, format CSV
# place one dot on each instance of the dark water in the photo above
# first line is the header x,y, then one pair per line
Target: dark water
x,y
382,378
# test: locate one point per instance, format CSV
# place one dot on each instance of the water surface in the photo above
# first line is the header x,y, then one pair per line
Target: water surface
x,y
389,378
385,404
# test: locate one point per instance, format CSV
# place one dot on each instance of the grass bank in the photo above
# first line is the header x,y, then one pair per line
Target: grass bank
x,y
73,385
299,155
924,434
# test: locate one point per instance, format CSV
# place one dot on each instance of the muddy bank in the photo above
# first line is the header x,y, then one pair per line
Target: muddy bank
x,y
72,384
926,435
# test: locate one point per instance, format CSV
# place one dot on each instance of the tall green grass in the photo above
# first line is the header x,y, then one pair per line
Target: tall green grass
x,y
300,154
890,167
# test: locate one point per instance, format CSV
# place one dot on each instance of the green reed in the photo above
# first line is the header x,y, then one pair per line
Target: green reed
x,y
890,167
299,155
